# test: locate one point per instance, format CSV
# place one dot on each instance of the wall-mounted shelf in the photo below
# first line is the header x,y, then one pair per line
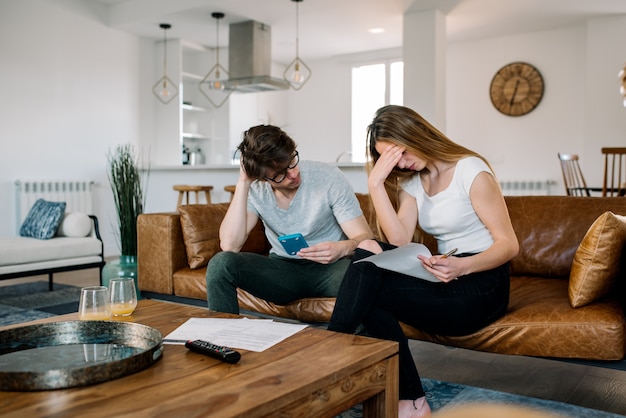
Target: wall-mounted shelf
x,y
192,77
194,108
190,135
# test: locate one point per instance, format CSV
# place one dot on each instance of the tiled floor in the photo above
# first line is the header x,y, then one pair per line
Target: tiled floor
x,y
585,385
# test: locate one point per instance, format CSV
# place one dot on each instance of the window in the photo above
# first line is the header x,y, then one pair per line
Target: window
x,y
373,86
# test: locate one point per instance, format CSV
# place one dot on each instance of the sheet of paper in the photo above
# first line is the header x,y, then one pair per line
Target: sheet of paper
x,y
243,333
404,260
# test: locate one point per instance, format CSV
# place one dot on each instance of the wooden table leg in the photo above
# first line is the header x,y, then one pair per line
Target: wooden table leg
x,y
385,403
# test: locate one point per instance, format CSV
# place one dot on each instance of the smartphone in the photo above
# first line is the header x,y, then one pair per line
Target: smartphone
x,y
293,243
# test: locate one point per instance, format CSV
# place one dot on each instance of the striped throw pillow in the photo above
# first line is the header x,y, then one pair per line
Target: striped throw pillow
x,y
43,219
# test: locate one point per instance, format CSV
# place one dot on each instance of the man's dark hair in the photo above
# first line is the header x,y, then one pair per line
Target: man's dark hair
x,y
265,147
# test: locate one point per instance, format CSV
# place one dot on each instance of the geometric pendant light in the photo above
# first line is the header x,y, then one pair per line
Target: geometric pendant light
x,y
212,85
164,89
297,73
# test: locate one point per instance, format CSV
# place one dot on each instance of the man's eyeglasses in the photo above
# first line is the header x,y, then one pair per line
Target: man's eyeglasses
x,y
281,176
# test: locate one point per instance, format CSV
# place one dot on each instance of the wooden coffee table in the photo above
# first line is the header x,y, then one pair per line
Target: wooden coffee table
x,y
314,373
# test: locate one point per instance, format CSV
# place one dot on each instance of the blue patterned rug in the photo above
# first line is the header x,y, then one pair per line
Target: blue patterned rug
x,y
30,301
442,394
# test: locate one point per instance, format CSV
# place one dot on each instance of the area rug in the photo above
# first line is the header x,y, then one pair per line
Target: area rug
x,y
441,395
30,301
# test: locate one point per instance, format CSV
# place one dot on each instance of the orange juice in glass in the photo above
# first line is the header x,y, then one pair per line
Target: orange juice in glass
x,y
123,296
94,316
123,308
94,304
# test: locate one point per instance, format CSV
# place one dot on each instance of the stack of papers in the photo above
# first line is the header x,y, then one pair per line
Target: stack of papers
x,y
243,333
404,260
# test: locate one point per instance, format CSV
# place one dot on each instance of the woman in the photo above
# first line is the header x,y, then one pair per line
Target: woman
x,y
418,175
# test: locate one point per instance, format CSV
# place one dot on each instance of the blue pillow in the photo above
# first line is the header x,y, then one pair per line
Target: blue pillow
x,y
43,219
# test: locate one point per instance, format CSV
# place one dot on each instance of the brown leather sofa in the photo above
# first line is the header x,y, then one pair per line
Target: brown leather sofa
x,y
540,320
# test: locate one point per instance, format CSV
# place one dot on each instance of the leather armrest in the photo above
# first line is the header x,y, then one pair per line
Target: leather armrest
x,y
160,251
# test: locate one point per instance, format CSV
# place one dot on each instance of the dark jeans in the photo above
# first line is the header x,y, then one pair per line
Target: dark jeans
x,y
276,279
379,299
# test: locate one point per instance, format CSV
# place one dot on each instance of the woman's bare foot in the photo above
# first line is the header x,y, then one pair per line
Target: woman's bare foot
x,y
418,408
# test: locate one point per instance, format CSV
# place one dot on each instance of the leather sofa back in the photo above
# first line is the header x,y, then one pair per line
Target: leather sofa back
x,y
550,229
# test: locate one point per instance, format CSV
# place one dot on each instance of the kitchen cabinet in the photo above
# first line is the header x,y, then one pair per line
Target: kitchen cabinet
x,y
189,121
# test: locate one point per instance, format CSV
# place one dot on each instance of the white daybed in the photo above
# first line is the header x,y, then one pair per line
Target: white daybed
x,y
24,256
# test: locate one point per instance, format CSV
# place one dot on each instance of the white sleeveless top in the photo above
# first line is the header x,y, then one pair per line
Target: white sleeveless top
x,y
449,215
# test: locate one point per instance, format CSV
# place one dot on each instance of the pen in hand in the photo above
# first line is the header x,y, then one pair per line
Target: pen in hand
x,y
449,253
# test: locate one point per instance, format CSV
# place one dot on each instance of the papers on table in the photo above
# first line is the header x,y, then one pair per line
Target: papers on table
x,y
243,333
404,260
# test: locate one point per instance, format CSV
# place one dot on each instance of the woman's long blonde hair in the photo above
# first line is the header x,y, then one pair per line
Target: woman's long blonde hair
x,y
403,126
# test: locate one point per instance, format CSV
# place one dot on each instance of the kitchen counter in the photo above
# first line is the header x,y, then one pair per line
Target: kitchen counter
x,y
218,167
161,197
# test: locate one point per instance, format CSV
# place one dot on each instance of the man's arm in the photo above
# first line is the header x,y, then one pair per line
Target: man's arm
x,y
356,230
238,222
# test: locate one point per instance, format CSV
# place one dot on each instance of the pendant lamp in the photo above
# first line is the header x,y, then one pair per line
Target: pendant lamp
x,y
212,85
297,73
164,89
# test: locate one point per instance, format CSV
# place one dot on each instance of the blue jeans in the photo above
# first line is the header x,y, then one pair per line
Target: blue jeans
x,y
380,299
273,278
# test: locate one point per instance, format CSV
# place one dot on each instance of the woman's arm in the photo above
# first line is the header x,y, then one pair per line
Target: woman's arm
x,y
490,207
398,227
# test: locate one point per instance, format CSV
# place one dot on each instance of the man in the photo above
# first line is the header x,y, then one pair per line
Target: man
x,y
289,197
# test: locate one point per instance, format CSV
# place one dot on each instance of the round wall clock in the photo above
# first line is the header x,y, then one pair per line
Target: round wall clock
x,y
516,89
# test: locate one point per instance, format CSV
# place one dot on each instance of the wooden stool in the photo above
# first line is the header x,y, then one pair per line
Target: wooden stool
x,y
184,189
230,189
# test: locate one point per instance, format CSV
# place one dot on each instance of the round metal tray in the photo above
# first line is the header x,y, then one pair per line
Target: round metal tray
x,y
60,355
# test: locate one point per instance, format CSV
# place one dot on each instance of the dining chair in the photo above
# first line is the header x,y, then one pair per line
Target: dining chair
x,y
573,178
614,181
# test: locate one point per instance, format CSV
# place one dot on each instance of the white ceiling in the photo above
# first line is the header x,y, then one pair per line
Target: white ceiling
x,y
338,27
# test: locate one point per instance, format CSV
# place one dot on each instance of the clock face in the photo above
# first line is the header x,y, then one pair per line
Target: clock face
x,y
516,89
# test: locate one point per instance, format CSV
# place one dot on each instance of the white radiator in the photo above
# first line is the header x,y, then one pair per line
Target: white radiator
x,y
77,194
527,187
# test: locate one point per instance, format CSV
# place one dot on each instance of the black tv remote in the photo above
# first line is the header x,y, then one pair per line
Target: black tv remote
x,y
212,350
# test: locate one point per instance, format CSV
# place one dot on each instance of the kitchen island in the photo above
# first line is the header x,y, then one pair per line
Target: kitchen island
x,y
161,197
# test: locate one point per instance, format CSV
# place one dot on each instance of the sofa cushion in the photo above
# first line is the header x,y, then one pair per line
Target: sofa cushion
x,y
597,260
201,225
540,322
43,219
25,250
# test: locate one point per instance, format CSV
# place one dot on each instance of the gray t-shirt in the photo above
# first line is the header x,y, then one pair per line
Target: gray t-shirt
x,y
324,200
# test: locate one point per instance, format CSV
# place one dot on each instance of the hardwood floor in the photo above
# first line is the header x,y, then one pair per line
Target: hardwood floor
x,y
592,386
74,278
595,385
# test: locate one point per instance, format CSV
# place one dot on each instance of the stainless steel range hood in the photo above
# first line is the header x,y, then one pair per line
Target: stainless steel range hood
x,y
250,58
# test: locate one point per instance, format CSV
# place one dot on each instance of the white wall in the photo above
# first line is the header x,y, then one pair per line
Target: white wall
x,y
522,147
319,114
605,116
69,94
73,88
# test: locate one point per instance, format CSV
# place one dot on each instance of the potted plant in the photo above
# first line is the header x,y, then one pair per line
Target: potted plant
x,y
126,185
